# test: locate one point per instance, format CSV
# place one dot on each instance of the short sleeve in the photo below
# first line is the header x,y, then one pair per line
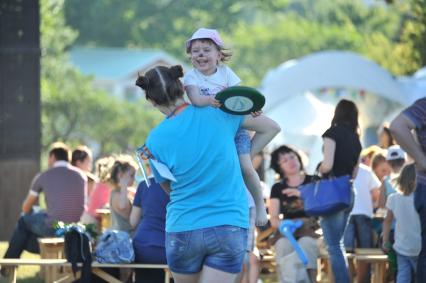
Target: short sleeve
x,y
190,78
137,201
232,78
374,181
417,113
390,203
276,191
36,187
330,133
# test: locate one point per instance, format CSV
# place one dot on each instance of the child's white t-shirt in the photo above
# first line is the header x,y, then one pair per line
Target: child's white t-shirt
x,y
408,239
212,84
364,183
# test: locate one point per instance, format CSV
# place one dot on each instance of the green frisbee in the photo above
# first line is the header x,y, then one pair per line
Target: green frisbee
x,y
240,100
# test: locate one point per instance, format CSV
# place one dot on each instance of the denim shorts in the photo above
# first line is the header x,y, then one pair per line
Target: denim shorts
x,y
220,247
242,142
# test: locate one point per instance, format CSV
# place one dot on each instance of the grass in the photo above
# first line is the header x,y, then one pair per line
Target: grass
x,y
26,274
29,274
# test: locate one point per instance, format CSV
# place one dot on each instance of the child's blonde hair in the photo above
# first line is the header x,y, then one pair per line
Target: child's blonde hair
x,y
406,181
103,168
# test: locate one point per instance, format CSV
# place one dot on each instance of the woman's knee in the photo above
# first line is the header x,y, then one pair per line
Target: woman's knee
x,y
308,243
283,247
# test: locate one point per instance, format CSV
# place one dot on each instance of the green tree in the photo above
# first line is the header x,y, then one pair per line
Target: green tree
x,y
72,110
412,47
262,34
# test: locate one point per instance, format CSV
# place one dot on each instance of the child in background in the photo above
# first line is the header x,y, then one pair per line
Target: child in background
x,y
82,159
100,194
407,232
396,158
122,177
202,83
380,166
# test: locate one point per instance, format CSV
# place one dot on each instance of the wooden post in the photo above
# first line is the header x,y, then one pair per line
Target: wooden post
x,y
19,106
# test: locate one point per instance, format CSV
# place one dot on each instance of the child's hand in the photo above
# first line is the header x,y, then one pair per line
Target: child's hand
x,y
256,113
386,247
214,102
124,179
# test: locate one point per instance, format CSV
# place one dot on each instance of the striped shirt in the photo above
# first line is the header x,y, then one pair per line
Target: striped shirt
x,y
417,114
64,188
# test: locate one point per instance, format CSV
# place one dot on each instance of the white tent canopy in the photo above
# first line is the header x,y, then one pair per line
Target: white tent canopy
x,y
329,69
420,74
415,86
303,118
315,118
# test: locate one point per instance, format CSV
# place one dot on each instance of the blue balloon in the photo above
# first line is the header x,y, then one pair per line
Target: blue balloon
x,y
287,228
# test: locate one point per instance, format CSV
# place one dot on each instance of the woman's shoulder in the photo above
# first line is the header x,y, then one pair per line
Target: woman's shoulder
x,y
329,132
308,179
339,131
277,188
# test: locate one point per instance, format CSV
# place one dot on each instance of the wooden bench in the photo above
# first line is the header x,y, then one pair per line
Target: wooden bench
x,y
375,257
378,261
266,253
51,248
323,260
13,264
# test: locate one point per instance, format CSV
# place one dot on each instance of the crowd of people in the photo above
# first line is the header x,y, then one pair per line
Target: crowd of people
x,y
203,223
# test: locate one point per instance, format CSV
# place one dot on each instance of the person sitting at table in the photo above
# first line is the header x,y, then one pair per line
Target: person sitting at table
x,y
148,217
122,178
64,188
81,158
287,162
100,194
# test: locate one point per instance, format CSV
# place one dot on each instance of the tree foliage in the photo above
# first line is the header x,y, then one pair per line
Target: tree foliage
x,y
72,110
261,34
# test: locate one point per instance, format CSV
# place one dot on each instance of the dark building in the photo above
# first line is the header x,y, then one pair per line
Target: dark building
x,y
19,106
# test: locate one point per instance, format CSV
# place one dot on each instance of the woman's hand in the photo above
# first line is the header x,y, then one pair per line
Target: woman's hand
x,y
290,192
124,180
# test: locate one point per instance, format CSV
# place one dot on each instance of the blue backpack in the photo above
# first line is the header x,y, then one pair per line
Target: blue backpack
x,y
114,246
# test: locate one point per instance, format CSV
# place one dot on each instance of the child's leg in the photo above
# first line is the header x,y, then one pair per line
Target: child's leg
x,y
252,182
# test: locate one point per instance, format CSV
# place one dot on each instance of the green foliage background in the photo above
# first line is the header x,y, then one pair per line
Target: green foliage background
x,y
262,34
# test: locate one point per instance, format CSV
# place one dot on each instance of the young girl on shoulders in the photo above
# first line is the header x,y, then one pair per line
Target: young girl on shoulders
x,y
210,76
408,242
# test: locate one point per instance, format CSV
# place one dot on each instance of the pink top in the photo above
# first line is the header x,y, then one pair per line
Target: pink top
x,y
98,198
